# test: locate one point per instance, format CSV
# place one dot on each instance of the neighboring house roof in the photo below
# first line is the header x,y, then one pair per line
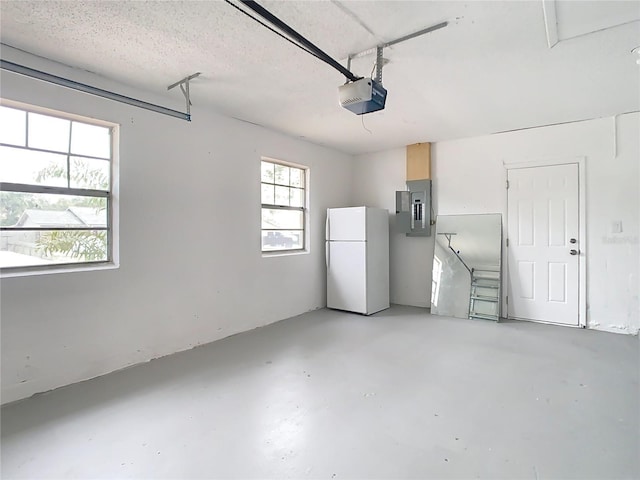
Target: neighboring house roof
x,y
71,217
95,217
48,218
267,224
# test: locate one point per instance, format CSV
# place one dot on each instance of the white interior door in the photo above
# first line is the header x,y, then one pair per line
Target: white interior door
x,y
543,249
347,276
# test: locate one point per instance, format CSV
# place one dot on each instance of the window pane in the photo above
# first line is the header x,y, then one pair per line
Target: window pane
x,y
90,140
267,194
267,172
13,126
282,228
297,177
282,196
47,210
282,175
28,247
89,173
48,133
273,219
40,210
297,197
282,240
28,166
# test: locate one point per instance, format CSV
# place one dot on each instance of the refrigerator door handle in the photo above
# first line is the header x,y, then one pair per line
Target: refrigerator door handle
x,y
326,243
326,253
326,226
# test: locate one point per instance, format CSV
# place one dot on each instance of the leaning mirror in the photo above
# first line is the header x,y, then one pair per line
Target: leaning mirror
x,y
466,266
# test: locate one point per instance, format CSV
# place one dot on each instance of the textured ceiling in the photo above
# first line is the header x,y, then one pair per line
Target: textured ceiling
x,y
490,70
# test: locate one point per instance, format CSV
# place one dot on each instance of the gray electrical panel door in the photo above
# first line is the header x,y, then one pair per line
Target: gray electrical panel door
x,y
413,209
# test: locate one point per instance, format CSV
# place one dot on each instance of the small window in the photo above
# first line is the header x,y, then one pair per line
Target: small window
x,y
283,192
56,176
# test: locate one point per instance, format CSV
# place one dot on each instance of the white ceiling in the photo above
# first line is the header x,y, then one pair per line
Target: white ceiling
x,y
490,70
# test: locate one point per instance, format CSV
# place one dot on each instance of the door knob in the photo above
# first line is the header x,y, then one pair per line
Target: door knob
x,y
574,252
573,240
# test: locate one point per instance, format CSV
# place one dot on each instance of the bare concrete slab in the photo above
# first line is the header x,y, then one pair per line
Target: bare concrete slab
x,y
401,394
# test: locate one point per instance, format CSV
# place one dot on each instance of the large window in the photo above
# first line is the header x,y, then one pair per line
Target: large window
x,y
56,176
283,206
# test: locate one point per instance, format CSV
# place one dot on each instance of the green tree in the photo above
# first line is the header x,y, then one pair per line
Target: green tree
x,y
85,245
13,205
81,244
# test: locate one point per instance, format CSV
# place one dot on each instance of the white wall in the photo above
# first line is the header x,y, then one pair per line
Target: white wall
x,y
191,268
469,177
377,177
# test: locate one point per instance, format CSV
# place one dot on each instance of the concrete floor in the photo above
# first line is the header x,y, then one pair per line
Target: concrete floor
x,y
401,394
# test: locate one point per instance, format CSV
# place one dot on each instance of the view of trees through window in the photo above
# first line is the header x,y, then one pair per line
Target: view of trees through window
x,y
283,206
55,179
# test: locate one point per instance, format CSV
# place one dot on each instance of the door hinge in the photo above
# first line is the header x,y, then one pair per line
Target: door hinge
x,y
507,242
507,184
507,300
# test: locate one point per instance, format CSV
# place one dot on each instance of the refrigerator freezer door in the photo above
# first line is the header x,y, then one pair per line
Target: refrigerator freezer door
x,y
347,276
347,224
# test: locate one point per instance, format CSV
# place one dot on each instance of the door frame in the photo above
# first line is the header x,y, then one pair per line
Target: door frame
x,y
582,227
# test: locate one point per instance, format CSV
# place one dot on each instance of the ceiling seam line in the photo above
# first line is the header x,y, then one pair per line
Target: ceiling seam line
x,y
562,123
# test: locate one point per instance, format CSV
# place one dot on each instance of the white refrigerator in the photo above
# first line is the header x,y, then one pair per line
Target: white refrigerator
x,y
357,257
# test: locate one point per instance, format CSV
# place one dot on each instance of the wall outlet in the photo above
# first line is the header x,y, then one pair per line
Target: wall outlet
x,y
616,226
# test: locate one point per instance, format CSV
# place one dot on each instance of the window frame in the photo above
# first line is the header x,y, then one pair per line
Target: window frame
x,y
111,195
275,206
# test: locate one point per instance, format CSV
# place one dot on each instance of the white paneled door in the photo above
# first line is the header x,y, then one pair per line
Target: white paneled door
x,y
544,248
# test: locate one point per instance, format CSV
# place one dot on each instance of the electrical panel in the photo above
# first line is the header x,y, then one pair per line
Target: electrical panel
x,y
413,209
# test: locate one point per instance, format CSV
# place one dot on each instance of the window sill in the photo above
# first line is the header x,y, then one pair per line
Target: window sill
x,y
284,253
27,272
